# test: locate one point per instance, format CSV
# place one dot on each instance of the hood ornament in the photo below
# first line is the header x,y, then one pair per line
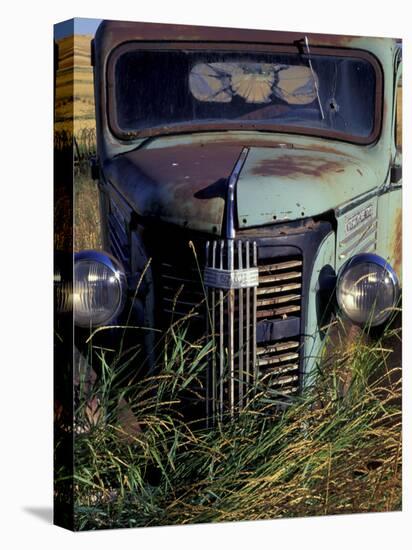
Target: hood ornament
x,y
226,276
231,194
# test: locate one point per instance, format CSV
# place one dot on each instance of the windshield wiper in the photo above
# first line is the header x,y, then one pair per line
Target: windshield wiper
x,y
314,78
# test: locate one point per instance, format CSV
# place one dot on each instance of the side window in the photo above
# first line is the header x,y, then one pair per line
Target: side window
x,y
398,119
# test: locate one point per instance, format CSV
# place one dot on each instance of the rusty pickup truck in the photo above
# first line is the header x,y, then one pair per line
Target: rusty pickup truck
x,y
250,181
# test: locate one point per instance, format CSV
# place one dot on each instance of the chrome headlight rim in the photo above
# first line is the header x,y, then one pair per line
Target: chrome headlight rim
x,y
368,258
112,264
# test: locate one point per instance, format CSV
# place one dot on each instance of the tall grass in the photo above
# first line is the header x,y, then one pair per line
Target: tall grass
x,y
86,211
334,449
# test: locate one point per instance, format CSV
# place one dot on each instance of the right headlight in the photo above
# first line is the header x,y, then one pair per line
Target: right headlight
x,y
367,289
99,288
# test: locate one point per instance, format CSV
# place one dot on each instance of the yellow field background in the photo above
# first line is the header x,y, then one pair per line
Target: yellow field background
x,y
74,85
75,114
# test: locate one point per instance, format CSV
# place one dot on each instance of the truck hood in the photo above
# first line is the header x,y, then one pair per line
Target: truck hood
x,y
187,184
280,184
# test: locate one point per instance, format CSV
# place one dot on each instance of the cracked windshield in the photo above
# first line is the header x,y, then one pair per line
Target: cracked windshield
x,y
249,89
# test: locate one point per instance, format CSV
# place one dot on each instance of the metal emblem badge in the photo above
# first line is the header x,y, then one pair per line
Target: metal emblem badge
x,y
356,219
229,279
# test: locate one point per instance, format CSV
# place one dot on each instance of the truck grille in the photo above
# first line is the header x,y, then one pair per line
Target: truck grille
x,y
244,356
179,283
279,291
278,364
241,363
232,326
181,291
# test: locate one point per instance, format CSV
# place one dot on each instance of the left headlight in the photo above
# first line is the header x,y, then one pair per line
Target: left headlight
x,y
99,288
367,289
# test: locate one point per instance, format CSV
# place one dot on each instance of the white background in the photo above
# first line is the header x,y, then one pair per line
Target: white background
x,y
26,273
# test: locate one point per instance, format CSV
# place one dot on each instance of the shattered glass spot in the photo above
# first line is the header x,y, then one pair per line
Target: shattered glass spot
x,y
253,82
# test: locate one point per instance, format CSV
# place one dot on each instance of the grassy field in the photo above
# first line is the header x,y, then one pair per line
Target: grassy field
x,y
329,452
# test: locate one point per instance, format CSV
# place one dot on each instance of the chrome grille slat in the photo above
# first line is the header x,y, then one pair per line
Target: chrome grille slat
x,y
266,313
209,327
279,299
280,277
277,266
221,335
241,328
282,380
280,346
277,359
231,329
281,369
254,319
274,289
213,376
286,391
247,325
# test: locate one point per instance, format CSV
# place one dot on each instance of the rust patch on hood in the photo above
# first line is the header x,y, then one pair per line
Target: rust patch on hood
x,y
184,185
288,165
277,185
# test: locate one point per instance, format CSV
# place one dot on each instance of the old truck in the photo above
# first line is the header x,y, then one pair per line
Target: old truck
x,y
250,181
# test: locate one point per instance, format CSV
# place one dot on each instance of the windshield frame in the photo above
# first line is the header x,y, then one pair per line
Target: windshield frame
x,y
226,125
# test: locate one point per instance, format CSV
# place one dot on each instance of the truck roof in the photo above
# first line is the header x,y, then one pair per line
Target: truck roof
x,y
111,33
